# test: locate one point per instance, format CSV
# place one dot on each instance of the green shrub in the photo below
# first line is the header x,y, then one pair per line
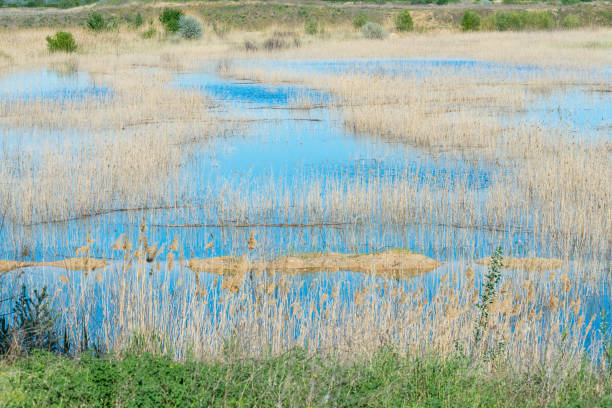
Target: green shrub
x,y
66,4
190,28
521,20
311,27
470,21
61,41
170,19
509,21
487,294
96,22
538,20
570,21
488,23
373,31
137,21
359,20
31,322
403,21
35,3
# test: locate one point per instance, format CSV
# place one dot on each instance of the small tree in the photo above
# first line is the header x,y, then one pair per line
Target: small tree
x,y
61,41
470,21
96,22
190,28
137,21
510,21
170,19
311,27
359,21
487,296
403,21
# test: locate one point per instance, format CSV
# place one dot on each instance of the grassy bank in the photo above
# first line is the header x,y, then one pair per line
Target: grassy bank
x,y
253,16
291,380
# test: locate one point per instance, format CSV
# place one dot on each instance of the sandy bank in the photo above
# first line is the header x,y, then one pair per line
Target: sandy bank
x,y
391,263
72,264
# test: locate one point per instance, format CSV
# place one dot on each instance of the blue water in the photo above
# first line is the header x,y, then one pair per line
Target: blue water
x,y
422,68
50,86
285,143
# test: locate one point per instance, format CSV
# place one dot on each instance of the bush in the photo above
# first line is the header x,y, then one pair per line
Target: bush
x,y
538,20
520,20
570,21
311,27
66,4
30,324
373,31
470,21
137,21
509,22
403,21
190,28
359,21
96,22
170,19
61,41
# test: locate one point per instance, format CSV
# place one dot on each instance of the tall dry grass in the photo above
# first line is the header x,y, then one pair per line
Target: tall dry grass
x,y
545,185
534,321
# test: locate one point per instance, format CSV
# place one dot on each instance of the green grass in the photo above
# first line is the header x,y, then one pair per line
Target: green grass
x,y
291,380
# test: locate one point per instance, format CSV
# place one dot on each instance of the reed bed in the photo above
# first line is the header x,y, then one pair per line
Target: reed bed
x,y
535,190
535,322
548,172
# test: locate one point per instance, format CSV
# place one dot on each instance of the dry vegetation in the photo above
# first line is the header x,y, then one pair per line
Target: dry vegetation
x,y
128,149
534,318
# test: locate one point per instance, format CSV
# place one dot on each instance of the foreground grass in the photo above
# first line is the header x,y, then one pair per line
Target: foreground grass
x,y
293,379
